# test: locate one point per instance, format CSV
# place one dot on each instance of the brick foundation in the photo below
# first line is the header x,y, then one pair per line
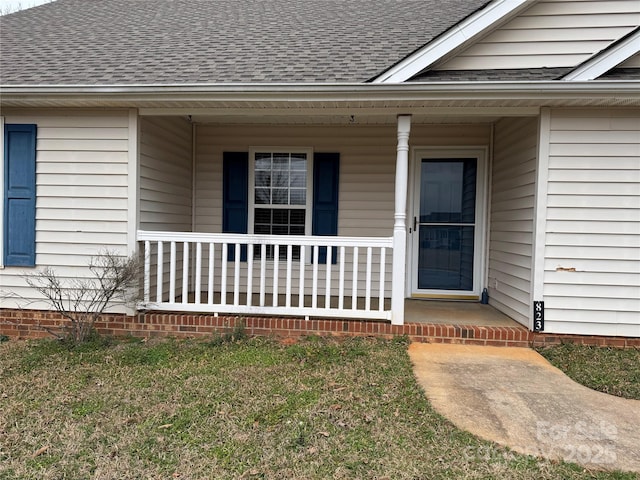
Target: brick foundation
x,y
29,324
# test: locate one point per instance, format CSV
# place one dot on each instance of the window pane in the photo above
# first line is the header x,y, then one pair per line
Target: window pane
x,y
263,196
297,216
280,230
280,161
280,196
263,179
296,230
280,217
263,161
261,230
280,179
262,215
298,197
298,161
298,179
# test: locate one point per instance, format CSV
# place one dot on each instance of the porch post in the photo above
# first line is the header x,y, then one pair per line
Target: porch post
x,y
400,221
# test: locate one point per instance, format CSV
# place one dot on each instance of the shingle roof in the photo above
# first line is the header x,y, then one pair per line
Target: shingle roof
x,y
621,74
213,41
505,74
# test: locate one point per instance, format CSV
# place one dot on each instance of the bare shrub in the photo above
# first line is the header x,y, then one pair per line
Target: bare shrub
x,y
82,301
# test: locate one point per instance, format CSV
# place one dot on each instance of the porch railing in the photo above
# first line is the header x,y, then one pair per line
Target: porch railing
x,y
267,274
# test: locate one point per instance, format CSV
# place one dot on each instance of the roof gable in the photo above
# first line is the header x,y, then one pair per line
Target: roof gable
x,y
549,35
457,37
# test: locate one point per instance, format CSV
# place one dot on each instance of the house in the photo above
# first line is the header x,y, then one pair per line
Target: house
x,y
331,159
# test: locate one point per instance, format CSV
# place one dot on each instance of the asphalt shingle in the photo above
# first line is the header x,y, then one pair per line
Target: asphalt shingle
x,y
217,41
506,74
621,74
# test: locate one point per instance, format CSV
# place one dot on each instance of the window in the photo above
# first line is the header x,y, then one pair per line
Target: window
x,y
281,194
278,191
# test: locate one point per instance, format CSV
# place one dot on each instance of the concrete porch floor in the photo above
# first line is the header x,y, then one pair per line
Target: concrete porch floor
x,y
440,312
434,312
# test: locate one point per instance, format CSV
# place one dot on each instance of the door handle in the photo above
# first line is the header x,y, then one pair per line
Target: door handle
x,y
415,223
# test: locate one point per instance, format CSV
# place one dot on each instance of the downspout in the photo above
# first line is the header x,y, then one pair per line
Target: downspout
x,y
487,234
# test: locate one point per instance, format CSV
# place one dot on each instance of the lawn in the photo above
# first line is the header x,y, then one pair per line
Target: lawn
x,y
246,409
614,371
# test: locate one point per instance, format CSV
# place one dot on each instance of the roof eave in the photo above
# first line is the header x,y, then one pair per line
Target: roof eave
x,y
286,94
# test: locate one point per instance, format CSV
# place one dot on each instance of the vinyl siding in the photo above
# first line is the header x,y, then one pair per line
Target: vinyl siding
x,y
511,225
552,33
166,182
366,181
81,185
592,251
165,174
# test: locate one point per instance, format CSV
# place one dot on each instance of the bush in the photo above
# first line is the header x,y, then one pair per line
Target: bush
x,y
82,301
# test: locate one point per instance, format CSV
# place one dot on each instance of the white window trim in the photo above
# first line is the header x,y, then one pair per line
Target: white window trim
x,y
251,190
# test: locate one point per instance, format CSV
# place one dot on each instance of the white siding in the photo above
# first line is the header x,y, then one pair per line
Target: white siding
x,y
165,174
511,228
592,253
81,182
367,169
552,33
166,181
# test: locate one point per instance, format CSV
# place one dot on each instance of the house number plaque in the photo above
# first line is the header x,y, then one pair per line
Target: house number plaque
x,y
538,316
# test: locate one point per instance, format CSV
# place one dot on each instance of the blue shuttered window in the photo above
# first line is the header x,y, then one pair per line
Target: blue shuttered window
x,y
19,195
235,192
235,197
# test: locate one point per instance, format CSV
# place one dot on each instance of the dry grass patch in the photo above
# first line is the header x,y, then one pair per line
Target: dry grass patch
x,y
250,409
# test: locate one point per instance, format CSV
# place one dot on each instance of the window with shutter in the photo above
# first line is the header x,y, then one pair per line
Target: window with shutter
x,y
278,191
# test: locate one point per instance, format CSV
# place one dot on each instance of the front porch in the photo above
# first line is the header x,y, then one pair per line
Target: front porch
x,y
206,252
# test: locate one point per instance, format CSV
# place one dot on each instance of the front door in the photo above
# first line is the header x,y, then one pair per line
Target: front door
x,y
447,232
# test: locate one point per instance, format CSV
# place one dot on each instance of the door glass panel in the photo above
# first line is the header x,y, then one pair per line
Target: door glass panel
x,y
446,258
448,191
447,224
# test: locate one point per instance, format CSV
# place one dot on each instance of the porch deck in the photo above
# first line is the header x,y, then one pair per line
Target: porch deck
x,y
439,312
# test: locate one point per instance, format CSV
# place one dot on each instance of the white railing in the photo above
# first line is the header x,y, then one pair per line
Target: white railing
x,y
267,274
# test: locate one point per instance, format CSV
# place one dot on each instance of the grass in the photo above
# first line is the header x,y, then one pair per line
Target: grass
x,y
610,370
236,409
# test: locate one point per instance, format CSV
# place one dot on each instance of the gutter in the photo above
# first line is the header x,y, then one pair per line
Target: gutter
x,y
342,92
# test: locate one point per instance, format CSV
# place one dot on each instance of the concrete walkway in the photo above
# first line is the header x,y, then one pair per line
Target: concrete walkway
x,y
514,397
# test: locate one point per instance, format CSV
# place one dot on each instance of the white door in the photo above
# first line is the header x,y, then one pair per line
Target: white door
x,y
447,231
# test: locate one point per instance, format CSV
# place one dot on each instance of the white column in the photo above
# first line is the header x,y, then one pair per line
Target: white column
x,y
400,221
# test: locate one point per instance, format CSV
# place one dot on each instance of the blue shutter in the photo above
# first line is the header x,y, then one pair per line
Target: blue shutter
x,y
20,195
235,197
326,170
